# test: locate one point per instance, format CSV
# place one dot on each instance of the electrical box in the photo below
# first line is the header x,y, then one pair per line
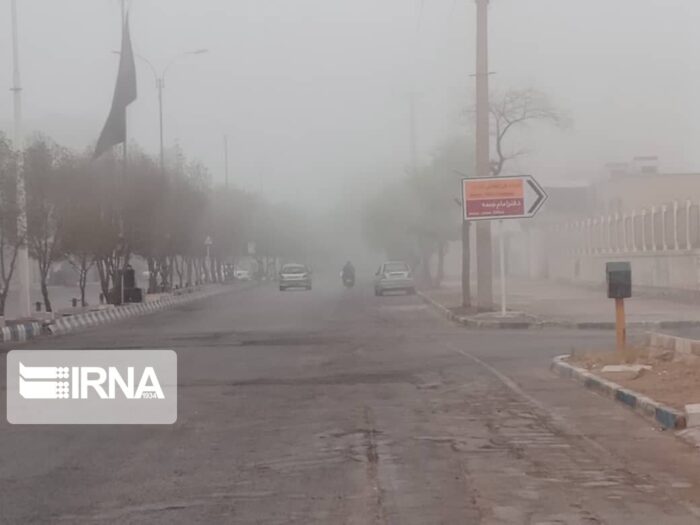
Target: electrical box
x,y
619,278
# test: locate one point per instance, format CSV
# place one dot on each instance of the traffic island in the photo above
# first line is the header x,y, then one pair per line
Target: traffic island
x,y
443,299
652,386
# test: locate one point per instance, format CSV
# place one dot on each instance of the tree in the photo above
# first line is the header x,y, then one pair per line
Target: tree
x,y
82,233
515,109
10,242
415,217
45,169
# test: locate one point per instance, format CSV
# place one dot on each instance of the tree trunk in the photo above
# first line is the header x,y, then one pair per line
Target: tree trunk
x,y
466,266
178,264
104,276
212,269
152,277
440,264
82,282
44,268
45,294
3,300
197,270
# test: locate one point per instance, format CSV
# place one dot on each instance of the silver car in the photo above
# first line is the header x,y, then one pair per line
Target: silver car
x,y
295,276
394,275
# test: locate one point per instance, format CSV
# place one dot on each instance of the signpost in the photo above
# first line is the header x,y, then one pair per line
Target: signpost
x,y
501,198
498,198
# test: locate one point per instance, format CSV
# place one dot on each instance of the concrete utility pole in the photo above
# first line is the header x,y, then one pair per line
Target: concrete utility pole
x,y
414,136
23,252
484,270
226,160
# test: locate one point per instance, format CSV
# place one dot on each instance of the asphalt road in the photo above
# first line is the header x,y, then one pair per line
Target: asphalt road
x,y
335,406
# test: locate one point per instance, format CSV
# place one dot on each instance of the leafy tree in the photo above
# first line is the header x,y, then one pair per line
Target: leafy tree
x,y
10,243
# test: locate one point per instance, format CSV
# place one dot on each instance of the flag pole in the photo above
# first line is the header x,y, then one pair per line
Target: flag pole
x,y
124,172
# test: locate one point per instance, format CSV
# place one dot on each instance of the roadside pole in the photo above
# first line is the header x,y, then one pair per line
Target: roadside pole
x,y
23,251
618,277
620,324
484,263
466,266
226,161
501,246
487,199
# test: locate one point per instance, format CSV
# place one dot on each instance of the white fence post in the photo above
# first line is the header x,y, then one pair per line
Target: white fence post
x,y
664,247
687,224
675,226
625,248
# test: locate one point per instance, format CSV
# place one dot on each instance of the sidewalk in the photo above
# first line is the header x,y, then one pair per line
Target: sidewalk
x,y
564,304
60,297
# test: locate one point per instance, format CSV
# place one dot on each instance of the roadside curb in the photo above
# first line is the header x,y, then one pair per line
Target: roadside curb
x,y
679,345
73,323
473,322
665,416
21,332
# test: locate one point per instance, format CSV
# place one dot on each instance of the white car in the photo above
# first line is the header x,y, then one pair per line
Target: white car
x,y
241,274
394,275
295,276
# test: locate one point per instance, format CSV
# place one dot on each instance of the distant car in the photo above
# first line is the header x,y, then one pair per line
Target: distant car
x,y
242,275
394,275
295,276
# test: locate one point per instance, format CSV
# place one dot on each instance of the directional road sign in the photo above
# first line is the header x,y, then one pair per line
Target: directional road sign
x,y
501,198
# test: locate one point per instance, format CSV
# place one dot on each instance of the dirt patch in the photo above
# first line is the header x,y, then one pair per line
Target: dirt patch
x,y
672,381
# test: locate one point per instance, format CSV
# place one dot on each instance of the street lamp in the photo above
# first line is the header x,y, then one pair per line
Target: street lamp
x,y
160,85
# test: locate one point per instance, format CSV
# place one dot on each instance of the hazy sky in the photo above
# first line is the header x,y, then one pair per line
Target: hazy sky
x,y
314,94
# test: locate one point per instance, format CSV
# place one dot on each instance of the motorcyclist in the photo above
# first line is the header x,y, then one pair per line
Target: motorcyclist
x,y
348,271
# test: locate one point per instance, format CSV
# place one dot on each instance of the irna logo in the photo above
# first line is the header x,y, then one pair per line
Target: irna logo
x,y
92,387
81,382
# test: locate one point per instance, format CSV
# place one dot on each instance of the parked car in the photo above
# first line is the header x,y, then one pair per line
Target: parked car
x,y
295,276
394,275
241,274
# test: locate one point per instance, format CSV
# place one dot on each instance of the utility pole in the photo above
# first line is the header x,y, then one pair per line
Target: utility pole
x,y
23,252
484,270
226,160
413,137
160,84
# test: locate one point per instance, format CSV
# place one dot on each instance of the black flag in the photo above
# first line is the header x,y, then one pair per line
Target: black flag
x,y
114,131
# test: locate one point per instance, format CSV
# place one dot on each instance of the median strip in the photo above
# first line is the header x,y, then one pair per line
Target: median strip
x,y
63,325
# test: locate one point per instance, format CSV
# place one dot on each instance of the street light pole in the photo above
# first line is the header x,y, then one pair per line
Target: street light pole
x,y
484,300
22,252
160,86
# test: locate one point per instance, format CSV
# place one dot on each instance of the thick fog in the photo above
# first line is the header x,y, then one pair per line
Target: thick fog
x,y
315,94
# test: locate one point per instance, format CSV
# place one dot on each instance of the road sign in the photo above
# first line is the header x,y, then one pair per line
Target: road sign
x,y
501,198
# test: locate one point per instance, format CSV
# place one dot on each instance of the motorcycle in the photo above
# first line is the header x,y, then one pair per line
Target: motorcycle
x,y
348,280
